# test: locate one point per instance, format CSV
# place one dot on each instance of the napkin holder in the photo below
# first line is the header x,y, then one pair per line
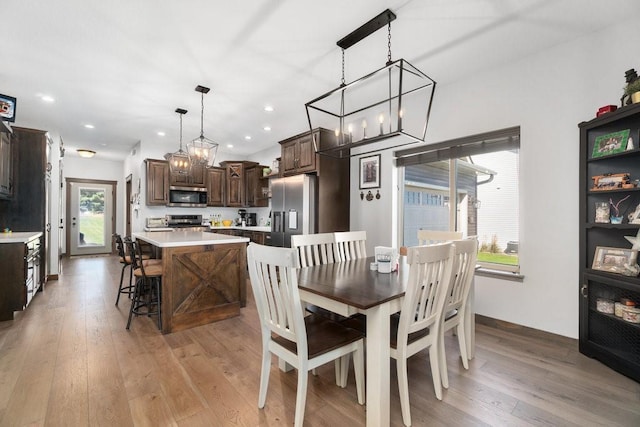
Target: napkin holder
x,y
386,258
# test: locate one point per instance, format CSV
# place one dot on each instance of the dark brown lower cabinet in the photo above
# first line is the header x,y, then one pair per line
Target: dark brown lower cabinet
x,y
259,237
20,278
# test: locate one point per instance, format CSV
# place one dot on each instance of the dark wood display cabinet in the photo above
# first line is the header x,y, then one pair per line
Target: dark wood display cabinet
x,y
236,192
197,177
157,183
298,154
609,173
256,188
6,161
215,186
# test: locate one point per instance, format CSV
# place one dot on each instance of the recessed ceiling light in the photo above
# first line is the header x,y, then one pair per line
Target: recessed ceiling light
x,y
268,108
267,128
47,98
229,145
161,133
86,153
89,126
247,137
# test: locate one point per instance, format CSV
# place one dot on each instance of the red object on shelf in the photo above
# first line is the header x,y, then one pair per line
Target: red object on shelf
x,y
606,109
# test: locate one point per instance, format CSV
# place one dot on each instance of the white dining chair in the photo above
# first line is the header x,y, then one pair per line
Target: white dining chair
x,y
456,302
419,325
350,245
314,249
429,237
303,342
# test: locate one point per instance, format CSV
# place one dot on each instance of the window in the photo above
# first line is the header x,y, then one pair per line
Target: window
x,y
480,174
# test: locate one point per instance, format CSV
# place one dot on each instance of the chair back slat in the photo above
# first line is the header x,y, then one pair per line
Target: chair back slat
x,y
120,247
135,255
314,249
464,264
430,237
273,276
350,245
430,269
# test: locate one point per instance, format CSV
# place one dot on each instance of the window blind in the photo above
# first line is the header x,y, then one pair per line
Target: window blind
x,y
488,142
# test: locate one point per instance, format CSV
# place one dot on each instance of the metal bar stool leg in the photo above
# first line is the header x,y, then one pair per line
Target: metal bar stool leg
x,y
135,301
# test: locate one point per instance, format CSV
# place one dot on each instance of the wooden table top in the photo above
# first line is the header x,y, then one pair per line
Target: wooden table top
x,y
354,283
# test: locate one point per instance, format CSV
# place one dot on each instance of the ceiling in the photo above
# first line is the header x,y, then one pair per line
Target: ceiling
x,y
124,66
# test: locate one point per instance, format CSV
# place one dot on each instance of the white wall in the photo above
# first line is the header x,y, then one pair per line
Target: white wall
x,y
547,94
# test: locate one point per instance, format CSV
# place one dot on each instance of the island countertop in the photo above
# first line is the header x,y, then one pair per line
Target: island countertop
x,y
19,237
264,229
178,238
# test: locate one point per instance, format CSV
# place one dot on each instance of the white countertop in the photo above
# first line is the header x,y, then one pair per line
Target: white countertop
x,y
19,237
177,238
266,229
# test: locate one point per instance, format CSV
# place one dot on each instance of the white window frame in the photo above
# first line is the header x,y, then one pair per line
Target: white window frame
x,y
453,150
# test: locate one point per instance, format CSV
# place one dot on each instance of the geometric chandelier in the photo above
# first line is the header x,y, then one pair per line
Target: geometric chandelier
x,y
202,150
179,162
391,102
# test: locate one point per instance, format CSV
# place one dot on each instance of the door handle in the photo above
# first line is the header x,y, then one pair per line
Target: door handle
x,y
583,291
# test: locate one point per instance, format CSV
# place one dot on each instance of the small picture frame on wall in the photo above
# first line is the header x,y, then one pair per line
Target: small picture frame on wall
x,y
611,143
370,172
7,108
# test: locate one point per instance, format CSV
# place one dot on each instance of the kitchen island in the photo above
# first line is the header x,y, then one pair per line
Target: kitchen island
x,y
204,276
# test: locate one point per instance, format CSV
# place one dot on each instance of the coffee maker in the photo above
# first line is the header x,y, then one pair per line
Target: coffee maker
x,y
243,216
252,219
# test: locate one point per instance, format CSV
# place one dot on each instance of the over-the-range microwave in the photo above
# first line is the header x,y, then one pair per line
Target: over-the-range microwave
x,y
193,197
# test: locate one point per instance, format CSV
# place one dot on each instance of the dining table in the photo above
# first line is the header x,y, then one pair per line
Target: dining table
x,y
351,287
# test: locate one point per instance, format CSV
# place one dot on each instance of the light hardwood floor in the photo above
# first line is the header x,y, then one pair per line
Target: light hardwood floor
x,y
68,361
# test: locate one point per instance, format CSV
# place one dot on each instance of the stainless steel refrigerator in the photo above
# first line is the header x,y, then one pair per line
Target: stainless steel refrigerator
x,y
292,208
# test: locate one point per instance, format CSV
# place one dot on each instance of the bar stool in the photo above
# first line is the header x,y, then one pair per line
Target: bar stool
x,y
147,289
125,260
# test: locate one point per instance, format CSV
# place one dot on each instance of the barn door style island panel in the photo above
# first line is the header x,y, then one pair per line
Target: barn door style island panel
x,y
203,279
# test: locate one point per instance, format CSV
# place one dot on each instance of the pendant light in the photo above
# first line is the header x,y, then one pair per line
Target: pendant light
x,y
202,150
179,162
396,97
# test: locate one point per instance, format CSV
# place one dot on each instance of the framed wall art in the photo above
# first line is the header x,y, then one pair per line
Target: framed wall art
x,y
614,260
7,108
610,143
370,172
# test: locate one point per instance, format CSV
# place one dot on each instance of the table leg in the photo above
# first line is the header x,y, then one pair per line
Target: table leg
x,y
378,373
284,366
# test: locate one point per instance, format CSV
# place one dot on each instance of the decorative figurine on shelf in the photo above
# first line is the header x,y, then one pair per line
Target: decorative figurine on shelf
x,y
634,217
617,218
635,241
633,269
603,215
631,77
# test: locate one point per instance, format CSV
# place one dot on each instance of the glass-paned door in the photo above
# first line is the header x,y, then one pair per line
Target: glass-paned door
x,y
90,217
